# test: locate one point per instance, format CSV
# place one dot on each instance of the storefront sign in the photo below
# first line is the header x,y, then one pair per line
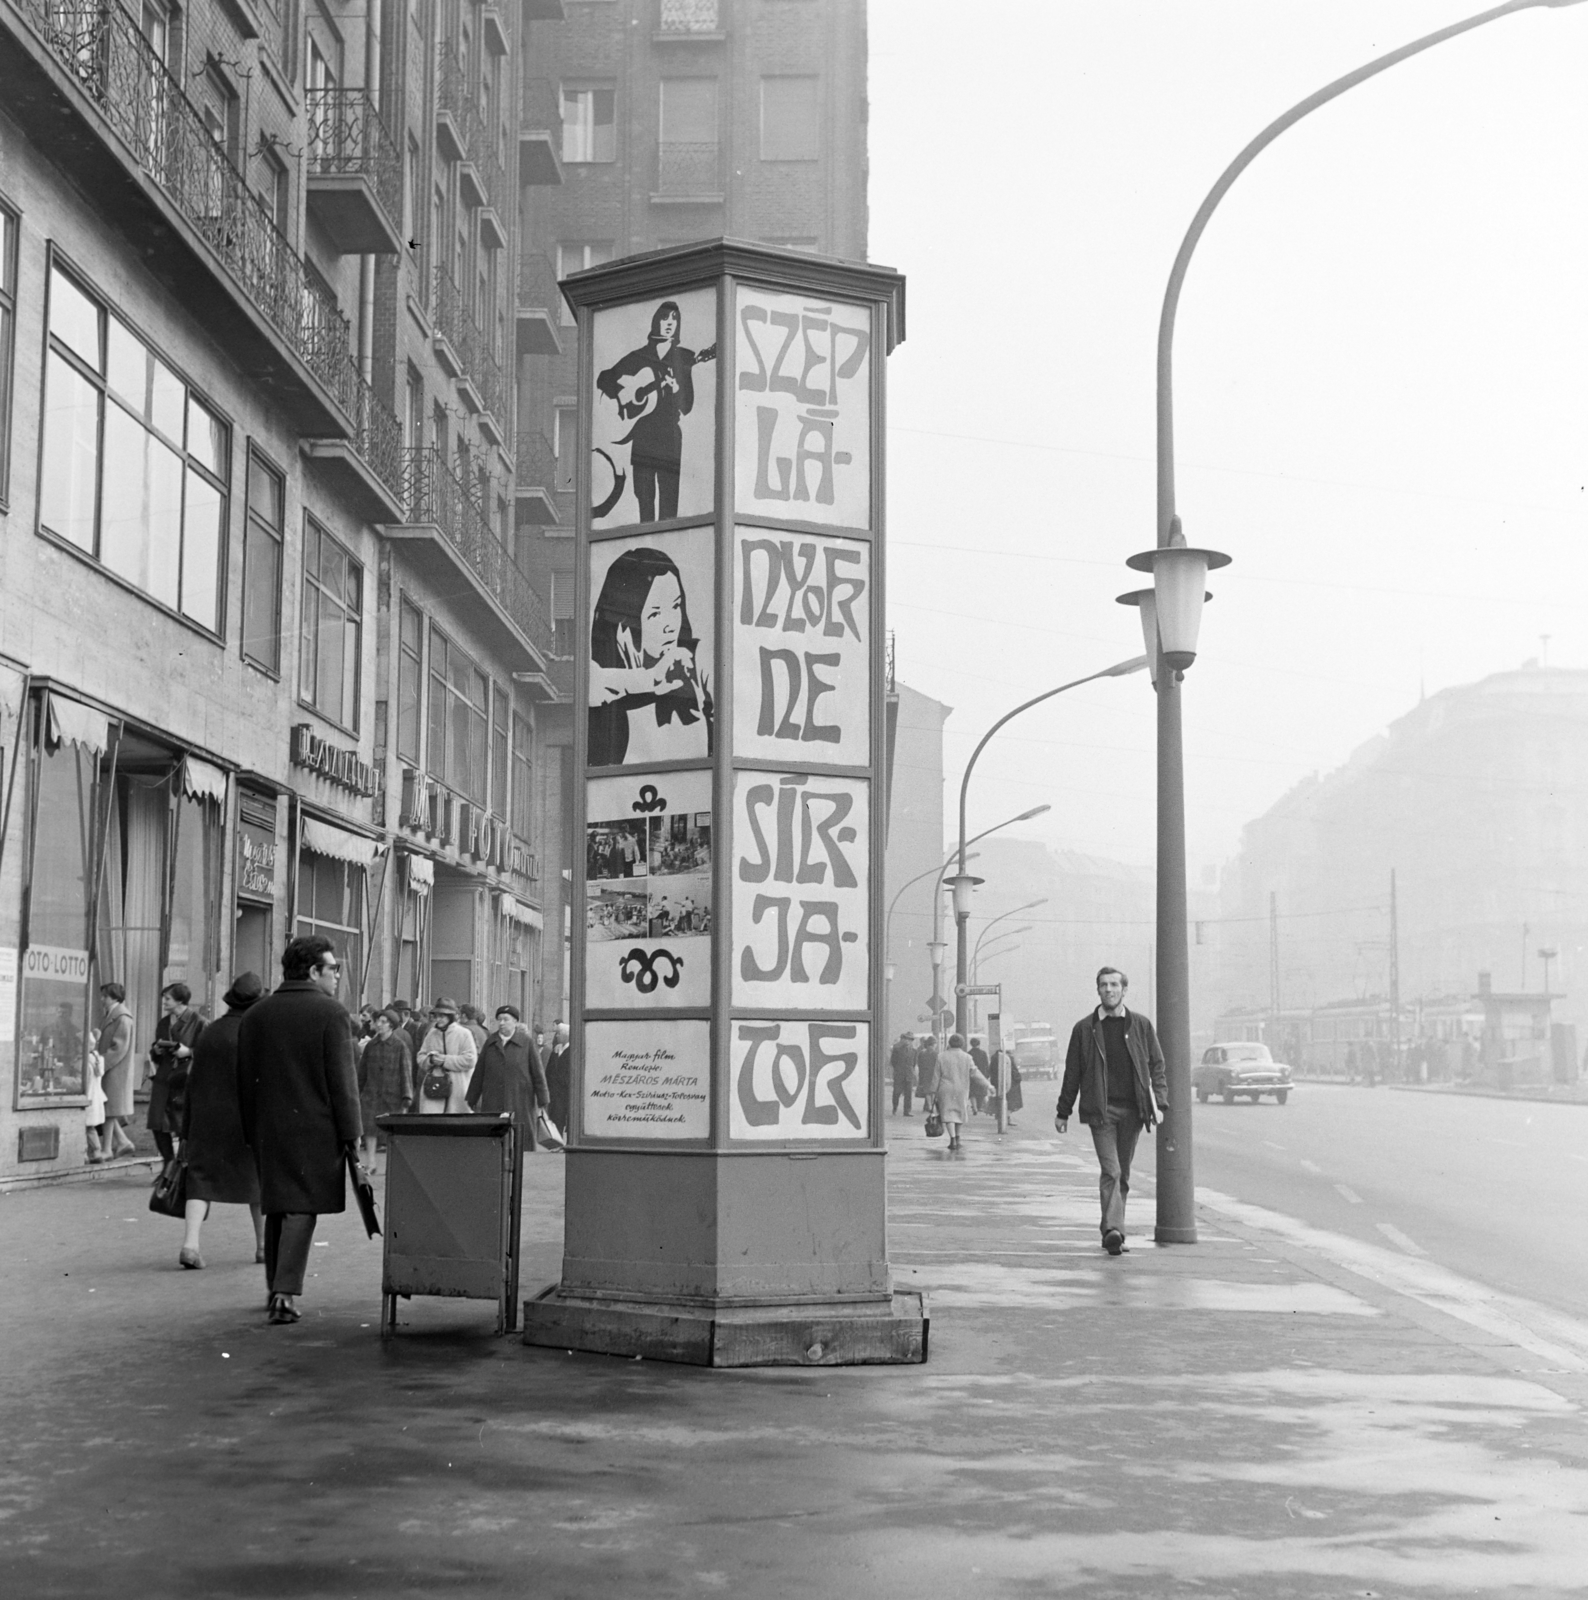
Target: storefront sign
x,y
256,862
647,1079
341,767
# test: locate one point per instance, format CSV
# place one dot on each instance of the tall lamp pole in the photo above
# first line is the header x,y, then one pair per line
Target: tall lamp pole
x,y
1170,627
962,881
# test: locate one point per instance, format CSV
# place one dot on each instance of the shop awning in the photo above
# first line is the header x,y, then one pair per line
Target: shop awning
x,y
421,873
71,722
325,839
203,781
516,911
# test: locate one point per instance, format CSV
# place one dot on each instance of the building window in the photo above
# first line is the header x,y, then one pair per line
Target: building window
x,y
687,154
136,466
523,806
565,446
562,595
790,119
589,123
410,681
501,716
331,903
459,719
274,191
575,256
333,608
262,545
8,313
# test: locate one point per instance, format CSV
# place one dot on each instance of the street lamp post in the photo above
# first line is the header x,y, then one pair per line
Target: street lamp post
x,y
1178,572
963,882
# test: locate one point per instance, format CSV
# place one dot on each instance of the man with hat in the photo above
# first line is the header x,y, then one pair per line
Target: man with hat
x,y
902,1061
448,1050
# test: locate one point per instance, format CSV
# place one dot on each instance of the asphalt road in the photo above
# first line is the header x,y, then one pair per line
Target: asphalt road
x,y
1494,1191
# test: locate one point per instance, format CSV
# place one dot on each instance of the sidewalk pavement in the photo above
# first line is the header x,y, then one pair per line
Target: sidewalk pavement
x,y
1256,1416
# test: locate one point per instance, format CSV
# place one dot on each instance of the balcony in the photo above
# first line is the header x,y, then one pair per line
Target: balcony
x,y
536,464
448,540
355,173
539,306
465,354
368,466
100,103
539,134
456,109
686,20
493,29
688,174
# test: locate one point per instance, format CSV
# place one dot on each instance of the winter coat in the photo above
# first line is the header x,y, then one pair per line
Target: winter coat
x,y
385,1077
455,1045
168,1085
902,1060
508,1077
559,1088
115,1046
956,1072
299,1096
1086,1069
220,1166
926,1070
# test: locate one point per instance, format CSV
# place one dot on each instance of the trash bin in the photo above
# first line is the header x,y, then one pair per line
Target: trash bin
x,y
453,1190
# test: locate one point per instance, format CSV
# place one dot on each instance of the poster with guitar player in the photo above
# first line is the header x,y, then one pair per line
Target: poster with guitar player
x,y
648,863
653,427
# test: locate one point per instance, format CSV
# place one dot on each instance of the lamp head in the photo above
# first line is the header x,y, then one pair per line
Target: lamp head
x,y
1035,811
1179,573
936,949
1146,603
964,883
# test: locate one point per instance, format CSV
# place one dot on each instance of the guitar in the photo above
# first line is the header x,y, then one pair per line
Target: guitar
x,y
638,391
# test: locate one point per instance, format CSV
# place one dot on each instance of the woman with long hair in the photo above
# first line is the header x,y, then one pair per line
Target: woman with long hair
x,y
650,691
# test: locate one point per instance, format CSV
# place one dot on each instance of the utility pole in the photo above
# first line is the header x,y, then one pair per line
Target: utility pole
x,y
1395,978
1273,970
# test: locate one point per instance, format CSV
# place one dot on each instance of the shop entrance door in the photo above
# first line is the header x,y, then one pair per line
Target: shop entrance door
x,y
251,950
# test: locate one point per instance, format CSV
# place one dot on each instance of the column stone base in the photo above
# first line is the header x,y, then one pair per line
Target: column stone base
x,y
884,1332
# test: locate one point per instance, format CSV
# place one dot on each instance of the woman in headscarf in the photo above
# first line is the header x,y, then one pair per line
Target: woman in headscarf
x,y
956,1072
220,1166
650,691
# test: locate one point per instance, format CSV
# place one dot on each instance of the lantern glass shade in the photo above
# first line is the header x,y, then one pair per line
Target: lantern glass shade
x,y
1180,580
964,885
936,949
1146,604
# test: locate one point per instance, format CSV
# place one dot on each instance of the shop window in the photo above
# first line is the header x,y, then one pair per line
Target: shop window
x,y
523,800
136,466
8,311
790,119
331,903
330,646
501,715
262,546
589,123
410,681
459,719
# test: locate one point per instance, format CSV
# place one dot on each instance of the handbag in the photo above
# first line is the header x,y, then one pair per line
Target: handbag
x,y
169,1196
546,1131
934,1125
436,1084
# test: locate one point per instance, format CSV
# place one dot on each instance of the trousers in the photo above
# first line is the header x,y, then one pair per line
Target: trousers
x,y
904,1092
1114,1139
288,1237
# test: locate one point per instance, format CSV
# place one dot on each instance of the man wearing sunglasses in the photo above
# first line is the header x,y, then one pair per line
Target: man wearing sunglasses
x,y
298,1086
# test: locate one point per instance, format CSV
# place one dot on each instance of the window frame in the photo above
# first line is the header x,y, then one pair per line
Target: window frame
x,y
442,701
304,699
405,609
58,262
520,793
257,457
592,87
10,259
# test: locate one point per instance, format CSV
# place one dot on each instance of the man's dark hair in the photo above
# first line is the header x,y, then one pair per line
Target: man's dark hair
x,y
1103,972
178,992
302,956
510,1011
115,991
956,1041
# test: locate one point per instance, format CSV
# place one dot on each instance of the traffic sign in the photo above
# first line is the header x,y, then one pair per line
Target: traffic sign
x,y
978,988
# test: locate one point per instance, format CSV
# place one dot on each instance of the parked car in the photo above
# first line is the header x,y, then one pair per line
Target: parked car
x,y
1234,1070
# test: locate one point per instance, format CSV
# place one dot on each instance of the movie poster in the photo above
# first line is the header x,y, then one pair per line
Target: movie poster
x,y
799,1080
802,419
801,880
647,1078
648,855
802,647
651,639
653,423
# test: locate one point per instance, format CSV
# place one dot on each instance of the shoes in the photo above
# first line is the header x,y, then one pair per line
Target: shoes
x,y
282,1309
1114,1242
259,1255
190,1258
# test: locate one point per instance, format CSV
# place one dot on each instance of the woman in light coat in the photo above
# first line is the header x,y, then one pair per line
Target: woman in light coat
x,y
956,1072
449,1047
115,1047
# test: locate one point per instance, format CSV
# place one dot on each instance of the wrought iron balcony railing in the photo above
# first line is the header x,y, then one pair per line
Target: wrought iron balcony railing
x,y
485,152
347,134
687,171
434,494
690,16
537,282
164,135
454,321
536,460
377,434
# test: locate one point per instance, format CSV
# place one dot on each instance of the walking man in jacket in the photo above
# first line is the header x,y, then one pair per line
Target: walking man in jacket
x,y
297,1090
1115,1065
902,1062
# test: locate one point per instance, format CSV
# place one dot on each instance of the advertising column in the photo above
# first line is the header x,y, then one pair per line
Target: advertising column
x,y
725,1171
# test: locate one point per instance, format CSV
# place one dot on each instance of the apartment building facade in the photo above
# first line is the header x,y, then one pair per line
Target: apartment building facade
x,y
669,121
267,662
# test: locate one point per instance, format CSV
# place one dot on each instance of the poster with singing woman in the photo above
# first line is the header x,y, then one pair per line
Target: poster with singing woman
x,y
648,856
653,423
651,649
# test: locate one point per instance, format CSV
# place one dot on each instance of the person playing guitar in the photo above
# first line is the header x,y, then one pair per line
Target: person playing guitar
x,y
654,387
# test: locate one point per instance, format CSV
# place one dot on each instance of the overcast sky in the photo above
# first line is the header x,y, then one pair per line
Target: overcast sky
x,y
1381,404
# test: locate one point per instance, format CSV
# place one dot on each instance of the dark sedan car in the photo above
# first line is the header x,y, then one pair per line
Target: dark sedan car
x,y
1237,1070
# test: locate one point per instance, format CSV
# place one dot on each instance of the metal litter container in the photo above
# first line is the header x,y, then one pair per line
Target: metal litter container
x,y
454,1186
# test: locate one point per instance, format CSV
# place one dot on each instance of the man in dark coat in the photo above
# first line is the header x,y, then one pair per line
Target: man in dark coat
x,y
508,1076
559,1080
298,1090
902,1061
984,1066
170,1057
1114,1064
